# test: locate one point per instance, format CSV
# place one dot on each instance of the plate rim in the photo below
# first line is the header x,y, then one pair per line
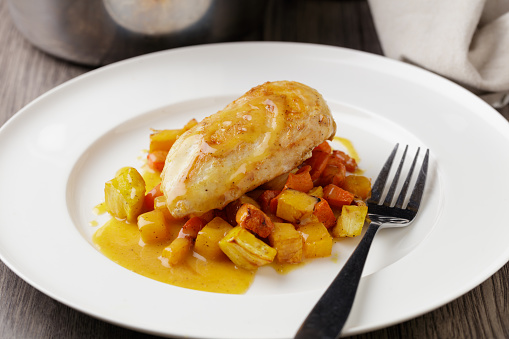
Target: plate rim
x,y
20,114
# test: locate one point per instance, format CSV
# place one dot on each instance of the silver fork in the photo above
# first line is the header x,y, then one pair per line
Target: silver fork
x,y
329,315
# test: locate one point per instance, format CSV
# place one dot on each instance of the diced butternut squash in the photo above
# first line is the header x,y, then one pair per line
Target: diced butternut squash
x,y
245,250
294,205
162,140
177,251
350,222
358,185
207,241
316,191
317,240
153,227
288,243
125,194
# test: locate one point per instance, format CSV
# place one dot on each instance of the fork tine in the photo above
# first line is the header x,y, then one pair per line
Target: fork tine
x,y
378,186
395,180
404,189
415,198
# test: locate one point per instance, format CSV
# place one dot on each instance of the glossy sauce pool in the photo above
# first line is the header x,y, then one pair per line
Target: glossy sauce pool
x,y
120,242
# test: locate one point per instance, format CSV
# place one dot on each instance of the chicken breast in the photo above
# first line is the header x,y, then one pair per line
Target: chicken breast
x,y
268,131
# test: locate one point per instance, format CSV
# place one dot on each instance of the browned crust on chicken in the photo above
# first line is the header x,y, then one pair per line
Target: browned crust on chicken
x,y
268,131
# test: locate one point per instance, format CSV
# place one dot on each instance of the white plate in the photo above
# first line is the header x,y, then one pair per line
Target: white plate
x,y
56,154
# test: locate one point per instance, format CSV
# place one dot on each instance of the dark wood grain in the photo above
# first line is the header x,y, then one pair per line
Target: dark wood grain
x,y
26,73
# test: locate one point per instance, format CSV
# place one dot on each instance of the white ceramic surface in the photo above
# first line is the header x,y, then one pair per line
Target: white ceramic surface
x,y
57,152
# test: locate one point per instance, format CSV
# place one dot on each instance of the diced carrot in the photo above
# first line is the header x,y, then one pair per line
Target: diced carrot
x,y
156,159
155,192
323,147
265,199
300,181
332,175
305,168
324,213
340,175
191,228
337,196
253,219
273,204
350,163
318,161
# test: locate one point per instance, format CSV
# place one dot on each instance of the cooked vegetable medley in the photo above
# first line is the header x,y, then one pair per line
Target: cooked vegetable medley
x,y
293,217
254,184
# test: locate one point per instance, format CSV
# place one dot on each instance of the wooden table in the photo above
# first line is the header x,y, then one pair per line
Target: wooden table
x,y
26,73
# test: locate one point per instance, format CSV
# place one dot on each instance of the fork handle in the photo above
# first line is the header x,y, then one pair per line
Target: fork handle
x,y
329,315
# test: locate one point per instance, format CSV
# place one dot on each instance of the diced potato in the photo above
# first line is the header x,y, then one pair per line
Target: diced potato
x,y
316,191
288,242
177,251
125,194
358,185
153,227
293,205
317,240
160,204
245,250
174,225
207,241
162,140
350,222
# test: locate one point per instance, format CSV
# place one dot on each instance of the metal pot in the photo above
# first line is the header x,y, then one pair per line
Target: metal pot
x,y
98,32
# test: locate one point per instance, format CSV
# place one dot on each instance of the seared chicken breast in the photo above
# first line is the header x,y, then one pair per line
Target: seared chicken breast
x,y
268,131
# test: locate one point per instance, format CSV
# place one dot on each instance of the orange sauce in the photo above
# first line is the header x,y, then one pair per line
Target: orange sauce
x,y
120,242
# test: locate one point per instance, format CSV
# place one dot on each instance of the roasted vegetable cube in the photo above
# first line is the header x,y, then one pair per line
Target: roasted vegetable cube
x,y
153,227
324,213
317,240
293,205
337,196
232,208
350,222
316,192
245,250
177,251
207,241
288,243
162,140
125,194
358,185
252,218
300,181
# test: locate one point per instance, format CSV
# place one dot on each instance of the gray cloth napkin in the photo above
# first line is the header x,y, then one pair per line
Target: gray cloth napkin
x,y
466,41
